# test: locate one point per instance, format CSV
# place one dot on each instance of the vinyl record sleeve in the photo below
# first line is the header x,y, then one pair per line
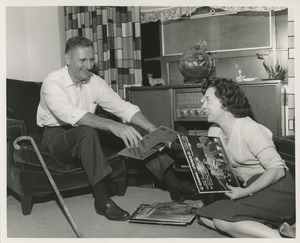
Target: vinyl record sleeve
x,y
208,162
151,143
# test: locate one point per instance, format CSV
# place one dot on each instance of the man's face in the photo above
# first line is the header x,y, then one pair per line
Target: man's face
x,y
80,61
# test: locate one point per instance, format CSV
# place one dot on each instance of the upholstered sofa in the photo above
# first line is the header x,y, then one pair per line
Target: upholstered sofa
x,y
286,148
25,176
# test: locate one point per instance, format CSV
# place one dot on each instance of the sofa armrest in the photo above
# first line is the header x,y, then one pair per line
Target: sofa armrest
x,y
15,128
285,146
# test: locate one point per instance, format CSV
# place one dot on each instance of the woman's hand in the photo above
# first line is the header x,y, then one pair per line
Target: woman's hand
x,y
237,192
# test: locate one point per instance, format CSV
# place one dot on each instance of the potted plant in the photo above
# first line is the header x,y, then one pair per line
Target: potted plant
x,y
274,72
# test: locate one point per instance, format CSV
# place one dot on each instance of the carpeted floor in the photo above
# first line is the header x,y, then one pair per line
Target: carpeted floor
x,y
48,221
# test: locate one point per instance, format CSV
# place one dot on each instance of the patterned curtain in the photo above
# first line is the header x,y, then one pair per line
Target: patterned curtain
x,y
116,34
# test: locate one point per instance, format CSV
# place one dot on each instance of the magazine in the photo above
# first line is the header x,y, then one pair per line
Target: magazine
x,y
151,143
171,213
208,163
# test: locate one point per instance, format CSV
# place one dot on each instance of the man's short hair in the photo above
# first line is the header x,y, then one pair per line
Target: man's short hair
x,y
77,41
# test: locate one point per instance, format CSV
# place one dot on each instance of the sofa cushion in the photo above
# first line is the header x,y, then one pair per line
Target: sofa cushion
x,y
22,99
27,155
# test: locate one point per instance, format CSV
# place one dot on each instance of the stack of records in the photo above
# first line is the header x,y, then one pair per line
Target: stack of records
x,y
170,213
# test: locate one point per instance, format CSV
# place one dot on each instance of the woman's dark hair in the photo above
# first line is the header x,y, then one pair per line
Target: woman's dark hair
x,y
231,96
77,41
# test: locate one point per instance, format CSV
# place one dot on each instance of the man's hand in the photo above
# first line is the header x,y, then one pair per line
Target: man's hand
x,y
128,134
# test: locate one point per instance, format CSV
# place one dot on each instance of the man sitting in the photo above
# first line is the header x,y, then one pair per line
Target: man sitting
x,y
69,98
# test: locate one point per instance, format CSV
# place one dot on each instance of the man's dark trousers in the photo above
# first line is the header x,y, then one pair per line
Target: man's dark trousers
x,y
67,142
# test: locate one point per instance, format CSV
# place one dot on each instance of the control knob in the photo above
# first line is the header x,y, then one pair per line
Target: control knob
x,y
190,113
182,113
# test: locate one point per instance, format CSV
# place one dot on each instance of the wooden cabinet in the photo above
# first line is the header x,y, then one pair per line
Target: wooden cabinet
x,y
160,105
155,103
265,100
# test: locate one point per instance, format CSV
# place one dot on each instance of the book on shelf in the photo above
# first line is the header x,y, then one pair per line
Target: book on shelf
x,y
151,143
208,162
169,213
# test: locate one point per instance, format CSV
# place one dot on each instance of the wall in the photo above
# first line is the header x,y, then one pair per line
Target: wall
x,y
290,89
17,65
34,42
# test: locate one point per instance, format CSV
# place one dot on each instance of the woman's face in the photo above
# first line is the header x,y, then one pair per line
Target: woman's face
x,y
212,106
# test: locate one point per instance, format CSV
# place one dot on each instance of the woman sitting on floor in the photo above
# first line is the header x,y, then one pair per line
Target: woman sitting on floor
x,y
266,199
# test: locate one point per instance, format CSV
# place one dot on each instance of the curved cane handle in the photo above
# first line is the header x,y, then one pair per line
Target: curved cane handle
x,y
17,146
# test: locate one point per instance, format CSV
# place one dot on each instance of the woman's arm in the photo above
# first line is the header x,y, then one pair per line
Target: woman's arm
x,y
274,172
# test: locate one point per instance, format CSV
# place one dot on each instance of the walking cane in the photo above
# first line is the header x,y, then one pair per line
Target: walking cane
x,y
17,147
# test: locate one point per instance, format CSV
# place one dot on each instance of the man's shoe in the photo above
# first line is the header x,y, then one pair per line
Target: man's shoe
x,y
186,191
112,211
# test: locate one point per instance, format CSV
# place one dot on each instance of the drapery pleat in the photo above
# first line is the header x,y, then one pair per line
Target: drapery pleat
x,y
163,14
116,35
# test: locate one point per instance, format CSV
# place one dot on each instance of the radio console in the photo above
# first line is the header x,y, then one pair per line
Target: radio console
x,y
187,105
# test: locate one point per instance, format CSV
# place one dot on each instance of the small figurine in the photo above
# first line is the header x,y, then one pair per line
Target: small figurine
x,y
240,76
155,81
